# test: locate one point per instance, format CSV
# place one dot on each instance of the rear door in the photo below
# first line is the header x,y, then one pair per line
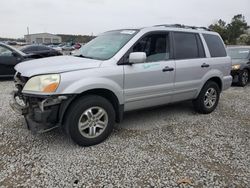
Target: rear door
x,y
7,61
30,49
44,51
191,64
218,60
150,83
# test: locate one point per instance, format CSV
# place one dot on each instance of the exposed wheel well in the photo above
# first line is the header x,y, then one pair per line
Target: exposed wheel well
x,y
110,96
217,80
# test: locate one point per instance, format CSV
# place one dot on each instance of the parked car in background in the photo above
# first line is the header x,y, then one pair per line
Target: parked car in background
x,y
121,71
77,46
74,52
9,58
40,51
12,43
58,47
68,47
240,64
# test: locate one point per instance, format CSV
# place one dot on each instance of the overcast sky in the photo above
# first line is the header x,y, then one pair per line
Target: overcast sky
x,y
96,16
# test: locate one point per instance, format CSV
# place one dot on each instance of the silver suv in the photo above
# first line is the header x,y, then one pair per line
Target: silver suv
x,y
120,71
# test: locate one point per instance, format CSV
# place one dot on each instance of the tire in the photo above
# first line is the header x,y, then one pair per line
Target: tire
x,y
208,98
243,78
94,115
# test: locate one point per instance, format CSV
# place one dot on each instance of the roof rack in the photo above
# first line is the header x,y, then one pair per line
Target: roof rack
x,y
183,26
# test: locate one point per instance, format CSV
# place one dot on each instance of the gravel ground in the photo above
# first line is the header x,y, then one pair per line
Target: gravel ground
x,y
162,147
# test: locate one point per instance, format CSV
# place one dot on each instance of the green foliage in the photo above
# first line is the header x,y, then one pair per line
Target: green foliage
x,y
231,32
221,28
244,39
236,28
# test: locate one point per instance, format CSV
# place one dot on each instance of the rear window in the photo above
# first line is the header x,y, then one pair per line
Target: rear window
x,y
188,46
215,45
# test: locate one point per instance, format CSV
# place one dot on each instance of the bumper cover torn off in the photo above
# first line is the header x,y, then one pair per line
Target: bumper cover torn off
x,y
40,116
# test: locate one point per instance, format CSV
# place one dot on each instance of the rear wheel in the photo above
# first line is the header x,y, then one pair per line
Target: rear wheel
x,y
208,98
90,120
243,78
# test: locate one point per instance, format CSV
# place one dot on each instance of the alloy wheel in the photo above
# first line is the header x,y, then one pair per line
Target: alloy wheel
x,y
245,77
93,122
210,98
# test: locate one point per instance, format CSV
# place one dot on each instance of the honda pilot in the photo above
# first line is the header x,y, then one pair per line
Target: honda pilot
x,y
121,71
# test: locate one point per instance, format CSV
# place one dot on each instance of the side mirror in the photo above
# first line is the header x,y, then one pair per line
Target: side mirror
x,y
137,57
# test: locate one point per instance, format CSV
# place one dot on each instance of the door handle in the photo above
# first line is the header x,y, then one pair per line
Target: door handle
x,y
167,69
204,65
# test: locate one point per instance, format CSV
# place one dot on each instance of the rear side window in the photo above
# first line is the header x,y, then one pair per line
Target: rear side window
x,y
188,46
29,49
215,45
41,48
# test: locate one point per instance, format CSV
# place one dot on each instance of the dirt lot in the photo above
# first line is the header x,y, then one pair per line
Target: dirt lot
x,y
162,147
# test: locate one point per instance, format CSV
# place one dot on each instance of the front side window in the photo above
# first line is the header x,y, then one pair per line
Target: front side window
x,y
186,46
156,47
106,45
238,53
5,52
215,45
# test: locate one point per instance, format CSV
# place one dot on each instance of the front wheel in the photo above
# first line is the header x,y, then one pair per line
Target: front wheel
x,y
243,78
208,98
90,120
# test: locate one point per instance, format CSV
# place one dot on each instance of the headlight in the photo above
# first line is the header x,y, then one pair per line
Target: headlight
x,y
44,83
235,67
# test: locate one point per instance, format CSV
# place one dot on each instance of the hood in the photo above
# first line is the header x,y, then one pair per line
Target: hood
x,y
239,61
56,64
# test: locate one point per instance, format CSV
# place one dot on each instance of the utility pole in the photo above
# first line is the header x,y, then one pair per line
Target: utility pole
x,y
28,35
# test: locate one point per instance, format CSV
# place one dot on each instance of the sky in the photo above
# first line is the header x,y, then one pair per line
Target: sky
x,y
87,17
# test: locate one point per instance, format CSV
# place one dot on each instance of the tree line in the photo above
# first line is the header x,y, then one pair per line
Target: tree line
x,y
76,38
236,32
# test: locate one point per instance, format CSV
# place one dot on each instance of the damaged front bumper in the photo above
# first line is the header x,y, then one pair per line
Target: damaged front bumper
x,y
41,114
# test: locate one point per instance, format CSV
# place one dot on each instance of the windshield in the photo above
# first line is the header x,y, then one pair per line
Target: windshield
x,y
13,49
238,53
106,45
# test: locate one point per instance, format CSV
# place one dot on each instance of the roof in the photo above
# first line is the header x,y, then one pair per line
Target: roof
x,y
183,26
174,27
238,46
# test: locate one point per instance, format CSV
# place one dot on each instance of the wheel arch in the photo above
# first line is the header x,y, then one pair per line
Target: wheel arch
x,y
247,68
217,80
105,93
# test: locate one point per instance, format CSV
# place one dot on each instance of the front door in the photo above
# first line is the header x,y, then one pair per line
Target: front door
x,y
7,62
150,83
